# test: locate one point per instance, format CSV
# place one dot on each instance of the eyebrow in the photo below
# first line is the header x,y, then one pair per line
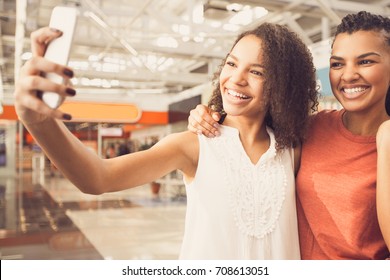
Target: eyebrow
x,y
360,56
254,64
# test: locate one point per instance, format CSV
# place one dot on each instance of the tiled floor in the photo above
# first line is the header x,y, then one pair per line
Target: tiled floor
x,y
44,217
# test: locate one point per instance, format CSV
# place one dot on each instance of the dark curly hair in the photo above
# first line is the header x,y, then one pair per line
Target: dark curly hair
x,y
290,89
366,21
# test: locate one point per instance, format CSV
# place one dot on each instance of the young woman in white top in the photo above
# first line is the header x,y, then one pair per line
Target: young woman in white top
x,y
240,186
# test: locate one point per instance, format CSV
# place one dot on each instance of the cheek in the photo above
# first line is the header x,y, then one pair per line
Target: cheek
x,y
334,78
380,75
377,78
258,88
223,76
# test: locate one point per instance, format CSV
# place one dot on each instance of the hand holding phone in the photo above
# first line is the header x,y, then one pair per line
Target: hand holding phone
x,y
63,19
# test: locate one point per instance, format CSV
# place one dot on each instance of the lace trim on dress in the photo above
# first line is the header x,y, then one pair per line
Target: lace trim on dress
x,y
256,192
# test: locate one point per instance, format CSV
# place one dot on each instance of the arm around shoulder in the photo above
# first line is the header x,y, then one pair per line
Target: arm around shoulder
x,y
383,180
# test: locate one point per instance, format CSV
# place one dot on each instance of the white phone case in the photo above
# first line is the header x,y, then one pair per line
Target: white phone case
x,y
63,19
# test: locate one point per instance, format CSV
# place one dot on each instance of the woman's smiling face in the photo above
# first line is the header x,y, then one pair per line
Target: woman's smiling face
x,y
242,78
360,70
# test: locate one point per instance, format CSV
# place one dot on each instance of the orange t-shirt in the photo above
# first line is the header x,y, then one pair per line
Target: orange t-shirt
x,y
336,189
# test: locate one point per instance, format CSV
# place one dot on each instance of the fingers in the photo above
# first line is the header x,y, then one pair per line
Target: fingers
x,y
39,84
31,80
202,122
33,103
41,38
37,65
28,90
216,116
31,83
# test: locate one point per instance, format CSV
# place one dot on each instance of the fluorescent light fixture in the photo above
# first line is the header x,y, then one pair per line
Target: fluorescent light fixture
x,y
231,27
215,23
197,13
234,7
182,29
242,18
167,42
259,12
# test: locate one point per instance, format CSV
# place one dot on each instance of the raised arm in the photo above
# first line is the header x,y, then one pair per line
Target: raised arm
x,y
383,180
85,169
203,120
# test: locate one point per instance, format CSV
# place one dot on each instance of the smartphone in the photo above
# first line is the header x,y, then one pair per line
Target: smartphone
x,y
64,19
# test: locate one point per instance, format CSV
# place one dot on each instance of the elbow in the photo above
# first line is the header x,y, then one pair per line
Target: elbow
x,y
92,188
92,192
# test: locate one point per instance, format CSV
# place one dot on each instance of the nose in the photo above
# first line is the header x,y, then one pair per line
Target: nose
x,y
350,73
239,77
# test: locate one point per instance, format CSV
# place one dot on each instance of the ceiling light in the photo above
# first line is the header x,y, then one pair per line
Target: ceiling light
x,y
167,42
231,27
242,18
234,7
259,12
197,13
181,29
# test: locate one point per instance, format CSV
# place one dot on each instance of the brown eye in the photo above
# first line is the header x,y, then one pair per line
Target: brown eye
x,y
335,65
366,61
257,73
230,63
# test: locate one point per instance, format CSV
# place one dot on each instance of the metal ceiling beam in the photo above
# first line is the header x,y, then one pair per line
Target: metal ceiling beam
x,y
187,79
326,8
296,27
273,14
354,7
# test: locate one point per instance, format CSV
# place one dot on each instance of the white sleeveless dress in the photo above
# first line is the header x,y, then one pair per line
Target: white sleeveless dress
x,y
237,209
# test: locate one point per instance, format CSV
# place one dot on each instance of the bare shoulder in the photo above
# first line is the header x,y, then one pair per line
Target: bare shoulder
x,y
383,133
185,142
182,139
184,147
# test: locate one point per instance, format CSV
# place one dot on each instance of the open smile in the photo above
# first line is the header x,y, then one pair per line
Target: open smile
x,y
237,94
354,92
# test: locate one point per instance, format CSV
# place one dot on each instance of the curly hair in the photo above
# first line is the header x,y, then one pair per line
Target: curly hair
x,y
290,90
365,21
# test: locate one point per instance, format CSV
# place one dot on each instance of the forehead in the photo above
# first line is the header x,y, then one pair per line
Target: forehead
x,y
249,47
360,42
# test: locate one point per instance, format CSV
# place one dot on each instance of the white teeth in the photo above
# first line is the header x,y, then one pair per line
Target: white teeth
x,y
354,90
236,94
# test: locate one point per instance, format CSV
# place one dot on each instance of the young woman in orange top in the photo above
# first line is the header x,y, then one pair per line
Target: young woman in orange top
x,y
343,199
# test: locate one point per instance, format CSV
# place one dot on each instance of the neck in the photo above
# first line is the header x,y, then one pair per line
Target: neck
x,y
253,135
251,131
364,124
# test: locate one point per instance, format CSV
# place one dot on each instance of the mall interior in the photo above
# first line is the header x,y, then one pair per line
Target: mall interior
x,y
140,67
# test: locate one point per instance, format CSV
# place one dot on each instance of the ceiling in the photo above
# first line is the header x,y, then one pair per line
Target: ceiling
x,y
145,51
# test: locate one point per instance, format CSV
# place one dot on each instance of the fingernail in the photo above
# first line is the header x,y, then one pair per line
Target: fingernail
x,y
216,125
68,73
55,30
217,133
39,94
70,91
67,117
199,132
